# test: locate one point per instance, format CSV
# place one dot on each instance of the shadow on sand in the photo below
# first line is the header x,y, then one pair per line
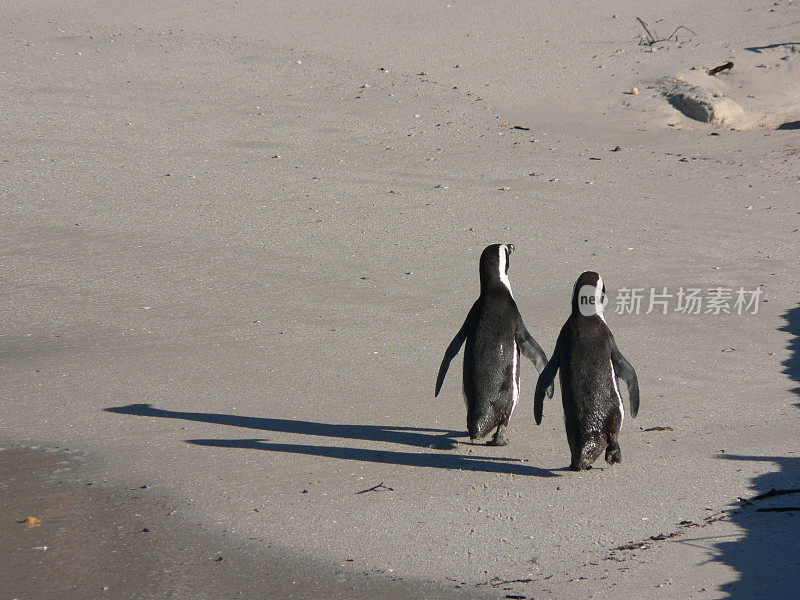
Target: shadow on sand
x,y
792,364
462,462
438,439
768,556
759,49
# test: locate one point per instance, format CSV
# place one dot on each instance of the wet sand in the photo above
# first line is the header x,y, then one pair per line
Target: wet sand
x,y
100,541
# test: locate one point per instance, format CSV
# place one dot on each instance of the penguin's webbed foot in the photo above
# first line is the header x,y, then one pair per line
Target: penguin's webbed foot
x,y
613,453
499,438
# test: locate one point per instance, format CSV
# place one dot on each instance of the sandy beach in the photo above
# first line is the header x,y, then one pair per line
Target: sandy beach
x,y
237,237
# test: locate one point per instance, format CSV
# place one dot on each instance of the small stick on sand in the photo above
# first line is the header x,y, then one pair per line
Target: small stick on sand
x,y
715,70
376,488
650,35
677,29
654,39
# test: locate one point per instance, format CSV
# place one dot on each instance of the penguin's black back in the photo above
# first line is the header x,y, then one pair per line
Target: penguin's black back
x,y
490,356
588,391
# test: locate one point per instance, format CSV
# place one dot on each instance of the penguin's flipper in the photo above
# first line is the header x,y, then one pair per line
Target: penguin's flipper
x,y
530,348
545,382
453,349
627,373
533,351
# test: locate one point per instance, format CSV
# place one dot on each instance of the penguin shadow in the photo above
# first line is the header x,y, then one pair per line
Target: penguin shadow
x,y
461,462
419,437
767,558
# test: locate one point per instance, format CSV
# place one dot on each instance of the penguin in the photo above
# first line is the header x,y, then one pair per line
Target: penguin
x,y
495,335
590,364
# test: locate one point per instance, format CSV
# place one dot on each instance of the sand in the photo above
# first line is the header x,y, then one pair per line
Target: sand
x,y
238,236
94,540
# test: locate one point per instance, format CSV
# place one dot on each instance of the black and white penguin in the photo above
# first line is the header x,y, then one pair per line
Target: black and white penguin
x,y
495,335
590,364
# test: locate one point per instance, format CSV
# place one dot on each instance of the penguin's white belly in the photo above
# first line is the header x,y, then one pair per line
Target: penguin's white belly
x,y
616,391
514,378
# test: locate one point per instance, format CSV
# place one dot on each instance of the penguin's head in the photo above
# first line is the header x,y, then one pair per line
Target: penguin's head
x,y
494,265
589,295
